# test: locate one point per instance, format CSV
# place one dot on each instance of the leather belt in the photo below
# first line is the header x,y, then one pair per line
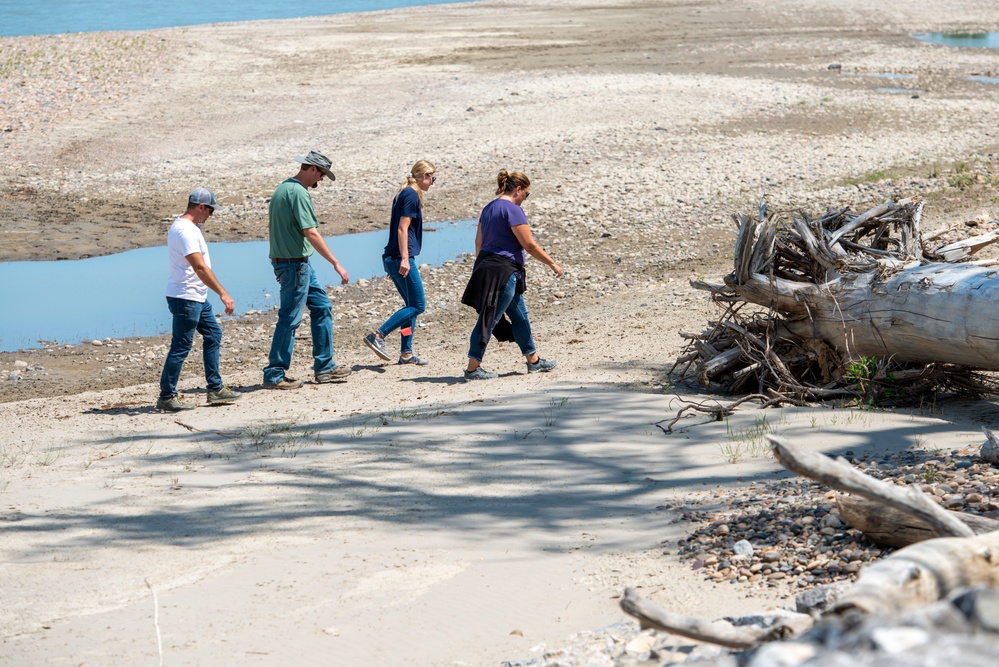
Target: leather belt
x,y
291,259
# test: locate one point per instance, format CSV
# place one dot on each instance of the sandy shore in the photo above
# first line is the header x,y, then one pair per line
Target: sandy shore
x,y
406,518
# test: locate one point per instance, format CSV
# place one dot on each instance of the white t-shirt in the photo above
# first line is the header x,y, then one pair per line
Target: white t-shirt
x,y
184,238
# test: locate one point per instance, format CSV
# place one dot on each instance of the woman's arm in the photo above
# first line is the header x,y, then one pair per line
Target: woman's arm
x,y
403,234
534,249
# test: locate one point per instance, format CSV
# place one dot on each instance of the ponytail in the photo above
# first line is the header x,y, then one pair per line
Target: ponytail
x,y
507,182
419,169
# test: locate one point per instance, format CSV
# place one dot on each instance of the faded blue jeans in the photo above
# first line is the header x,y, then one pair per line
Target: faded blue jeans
x,y
188,317
513,305
300,289
411,290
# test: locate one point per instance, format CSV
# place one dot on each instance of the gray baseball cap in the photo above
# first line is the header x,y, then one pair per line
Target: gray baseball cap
x,y
203,196
318,160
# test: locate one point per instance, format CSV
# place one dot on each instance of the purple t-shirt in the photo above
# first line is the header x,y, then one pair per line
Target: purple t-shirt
x,y
497,221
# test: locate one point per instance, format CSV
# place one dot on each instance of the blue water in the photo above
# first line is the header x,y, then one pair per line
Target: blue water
x,y
983,79
893,76
122,295
975,40
41,17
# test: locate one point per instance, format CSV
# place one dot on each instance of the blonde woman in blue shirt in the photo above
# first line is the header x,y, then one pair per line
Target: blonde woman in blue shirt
x,y
399,259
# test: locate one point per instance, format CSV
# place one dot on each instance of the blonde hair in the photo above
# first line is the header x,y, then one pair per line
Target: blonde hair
x,y
419,170
507,182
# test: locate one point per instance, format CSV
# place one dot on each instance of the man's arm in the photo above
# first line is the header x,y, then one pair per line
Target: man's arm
x,y
197,262
317,241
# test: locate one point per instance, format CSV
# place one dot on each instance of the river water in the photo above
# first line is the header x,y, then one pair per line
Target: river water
x,y
47,17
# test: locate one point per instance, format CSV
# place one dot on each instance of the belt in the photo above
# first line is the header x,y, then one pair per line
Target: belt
x,y
291,259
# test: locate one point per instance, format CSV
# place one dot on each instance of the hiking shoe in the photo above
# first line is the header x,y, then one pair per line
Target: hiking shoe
x,y
419,361
377,345
286,383
540,366
222,396
479,373
173,404
338,374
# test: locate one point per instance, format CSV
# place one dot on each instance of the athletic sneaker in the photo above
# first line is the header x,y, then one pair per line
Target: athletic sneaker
x,y
173,404
377,345
286,383
540,366
419,361
338,374
480,373
223,395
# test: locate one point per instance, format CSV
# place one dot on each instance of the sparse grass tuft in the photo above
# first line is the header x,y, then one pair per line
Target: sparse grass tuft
x,y
282,438
875,176
750,441
551,412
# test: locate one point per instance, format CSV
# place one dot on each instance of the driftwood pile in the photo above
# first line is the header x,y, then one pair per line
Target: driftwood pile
x,y
862,307
934,602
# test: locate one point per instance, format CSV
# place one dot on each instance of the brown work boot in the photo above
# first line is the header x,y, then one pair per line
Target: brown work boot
x,y
338,374
286,383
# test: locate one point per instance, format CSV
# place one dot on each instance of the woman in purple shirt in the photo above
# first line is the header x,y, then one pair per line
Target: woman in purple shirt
x,y
496,286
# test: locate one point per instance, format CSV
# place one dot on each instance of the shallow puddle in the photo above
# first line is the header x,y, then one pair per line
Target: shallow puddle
x,y
892,76
972,40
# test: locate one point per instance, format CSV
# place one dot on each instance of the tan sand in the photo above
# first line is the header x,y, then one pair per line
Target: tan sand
x,y
405,517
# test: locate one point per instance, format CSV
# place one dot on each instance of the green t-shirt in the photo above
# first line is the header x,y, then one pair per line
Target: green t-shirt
x,y
290,212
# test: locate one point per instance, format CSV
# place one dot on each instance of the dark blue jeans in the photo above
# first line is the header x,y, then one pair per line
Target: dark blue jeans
x,y
513,305
411,290
188,317
300,289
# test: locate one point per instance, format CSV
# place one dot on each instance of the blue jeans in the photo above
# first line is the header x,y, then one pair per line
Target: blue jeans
x,y
188,317
411,290
300,288
513,305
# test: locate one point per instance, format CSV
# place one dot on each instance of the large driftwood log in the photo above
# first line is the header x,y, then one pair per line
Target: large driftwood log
x,y
891,527
845,288
888,298
923,573
921,314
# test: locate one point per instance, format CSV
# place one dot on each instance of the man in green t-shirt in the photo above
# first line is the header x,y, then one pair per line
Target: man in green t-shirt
x,y
294,233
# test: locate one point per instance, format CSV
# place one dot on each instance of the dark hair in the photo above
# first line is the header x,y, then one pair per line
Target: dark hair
x,y
507,182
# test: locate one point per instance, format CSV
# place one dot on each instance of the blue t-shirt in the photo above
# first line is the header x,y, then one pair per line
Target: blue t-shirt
x,y
406,204
497,221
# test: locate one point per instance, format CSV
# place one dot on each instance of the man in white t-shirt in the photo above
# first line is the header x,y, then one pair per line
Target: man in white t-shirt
x,y
187,297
